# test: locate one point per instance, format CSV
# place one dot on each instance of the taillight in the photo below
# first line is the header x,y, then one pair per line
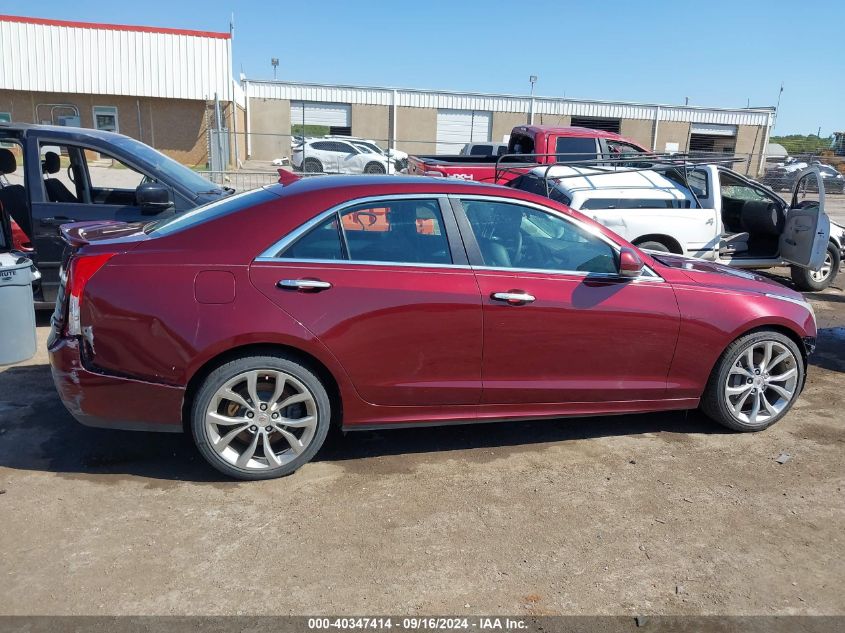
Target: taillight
x,y
82,269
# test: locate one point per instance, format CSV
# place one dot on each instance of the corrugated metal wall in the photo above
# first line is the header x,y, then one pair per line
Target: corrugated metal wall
x,y
502,103
109,60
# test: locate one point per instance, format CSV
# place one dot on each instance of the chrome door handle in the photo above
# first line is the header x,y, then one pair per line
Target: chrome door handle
x,y
304,284
513,298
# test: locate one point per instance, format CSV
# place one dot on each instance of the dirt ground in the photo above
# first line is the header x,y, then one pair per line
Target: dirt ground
x,y
655,514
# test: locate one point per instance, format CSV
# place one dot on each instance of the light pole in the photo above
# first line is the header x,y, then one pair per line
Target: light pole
x,y
533,80
274,62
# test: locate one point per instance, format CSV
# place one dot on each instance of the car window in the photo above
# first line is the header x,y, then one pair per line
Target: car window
x,y
516,236
739,190
481,150
345,148
573,148
594,204
402,231
107,172
323,145
321,242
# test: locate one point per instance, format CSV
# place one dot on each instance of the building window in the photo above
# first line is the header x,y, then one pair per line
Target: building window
x,y
105,118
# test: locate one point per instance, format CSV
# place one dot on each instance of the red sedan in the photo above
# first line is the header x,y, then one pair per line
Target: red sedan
x,y
259,321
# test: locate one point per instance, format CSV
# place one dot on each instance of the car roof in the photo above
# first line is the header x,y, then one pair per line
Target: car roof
x,y
611,181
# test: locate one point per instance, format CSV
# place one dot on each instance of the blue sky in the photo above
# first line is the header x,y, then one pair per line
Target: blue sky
x,y
716,52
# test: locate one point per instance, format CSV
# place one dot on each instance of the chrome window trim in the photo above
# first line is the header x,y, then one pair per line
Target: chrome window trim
x,y
649,274
358,262
268,255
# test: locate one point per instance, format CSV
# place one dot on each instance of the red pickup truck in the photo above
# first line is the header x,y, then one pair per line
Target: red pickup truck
x,y
541,144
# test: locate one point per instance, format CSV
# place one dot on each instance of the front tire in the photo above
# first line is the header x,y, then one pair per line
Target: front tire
x,y
814,280
374,168
260,417
755,382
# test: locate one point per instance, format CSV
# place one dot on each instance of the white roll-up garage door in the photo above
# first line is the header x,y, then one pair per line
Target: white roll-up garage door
x,y
455,128
328,114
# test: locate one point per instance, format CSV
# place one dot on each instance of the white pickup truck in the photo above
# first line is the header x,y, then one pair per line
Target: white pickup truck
x,y
705,211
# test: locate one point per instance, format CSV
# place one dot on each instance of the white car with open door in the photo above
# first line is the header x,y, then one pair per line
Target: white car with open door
x,y
335,156
706,211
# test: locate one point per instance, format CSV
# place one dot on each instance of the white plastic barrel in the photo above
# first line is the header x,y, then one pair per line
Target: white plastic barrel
x,y
17,310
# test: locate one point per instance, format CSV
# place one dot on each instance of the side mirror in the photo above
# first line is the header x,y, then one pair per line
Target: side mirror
x,y
153,197
630,264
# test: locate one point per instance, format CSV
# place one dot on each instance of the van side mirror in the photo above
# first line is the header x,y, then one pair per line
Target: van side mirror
x,y
153,197
630,264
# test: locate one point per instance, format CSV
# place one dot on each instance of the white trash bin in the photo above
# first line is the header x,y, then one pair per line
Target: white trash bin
x,y
17,310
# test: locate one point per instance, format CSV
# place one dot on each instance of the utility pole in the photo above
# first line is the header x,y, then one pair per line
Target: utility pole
x,y
533,80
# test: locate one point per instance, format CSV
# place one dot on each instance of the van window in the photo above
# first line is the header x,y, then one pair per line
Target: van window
x,y
594,204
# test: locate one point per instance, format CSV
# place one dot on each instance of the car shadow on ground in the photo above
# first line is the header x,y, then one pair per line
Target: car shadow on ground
x,y
38,434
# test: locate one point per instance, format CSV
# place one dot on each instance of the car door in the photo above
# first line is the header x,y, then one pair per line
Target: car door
x,y
349,159
384,284
560,325
102,189
807,230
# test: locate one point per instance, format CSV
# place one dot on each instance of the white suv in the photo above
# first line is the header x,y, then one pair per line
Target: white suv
x,y
334,156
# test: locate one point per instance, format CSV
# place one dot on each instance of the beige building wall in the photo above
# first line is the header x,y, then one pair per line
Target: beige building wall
x,y
416,130
504,122
672,132
639,130
371,122
562,120
749,141
269,128
176,127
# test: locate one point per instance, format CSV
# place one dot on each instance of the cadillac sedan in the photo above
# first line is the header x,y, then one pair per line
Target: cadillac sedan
x,y
258,322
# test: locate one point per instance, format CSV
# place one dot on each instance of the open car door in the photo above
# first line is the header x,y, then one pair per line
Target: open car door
x,y
807,230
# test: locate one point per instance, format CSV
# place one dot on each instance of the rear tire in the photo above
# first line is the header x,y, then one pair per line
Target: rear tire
x,y
374,168
651,245
815,280
763,367
312,166
260,417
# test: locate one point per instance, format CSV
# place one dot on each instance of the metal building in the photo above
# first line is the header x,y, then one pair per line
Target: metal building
x,y
154,84
429,121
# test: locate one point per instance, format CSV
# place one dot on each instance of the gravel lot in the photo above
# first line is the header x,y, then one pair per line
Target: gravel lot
x,y
637,514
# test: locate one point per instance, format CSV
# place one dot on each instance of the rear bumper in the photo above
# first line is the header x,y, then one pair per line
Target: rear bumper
x,y
113,402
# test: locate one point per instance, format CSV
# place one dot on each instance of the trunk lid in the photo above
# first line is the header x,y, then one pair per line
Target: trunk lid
x,y
93,237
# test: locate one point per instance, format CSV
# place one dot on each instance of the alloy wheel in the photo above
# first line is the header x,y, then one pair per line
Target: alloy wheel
x,y
824,272
261,419
762,382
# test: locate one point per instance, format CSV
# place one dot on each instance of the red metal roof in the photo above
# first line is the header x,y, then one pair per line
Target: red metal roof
x,y
112,27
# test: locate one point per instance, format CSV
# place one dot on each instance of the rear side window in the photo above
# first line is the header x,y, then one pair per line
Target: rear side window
x,y
211,211
481,150
573,148
390,231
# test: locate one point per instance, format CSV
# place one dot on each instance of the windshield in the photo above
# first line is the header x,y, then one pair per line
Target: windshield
x,y
364,148
166,168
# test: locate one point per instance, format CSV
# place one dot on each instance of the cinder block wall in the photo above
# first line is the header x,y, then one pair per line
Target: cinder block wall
x,y
638,130
672,132
416,130
371,122
504,122
269,128
176,127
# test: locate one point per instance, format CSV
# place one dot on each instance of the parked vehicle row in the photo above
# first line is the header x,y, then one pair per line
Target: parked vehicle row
x,y
260,320
531,144
345,155
783,176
